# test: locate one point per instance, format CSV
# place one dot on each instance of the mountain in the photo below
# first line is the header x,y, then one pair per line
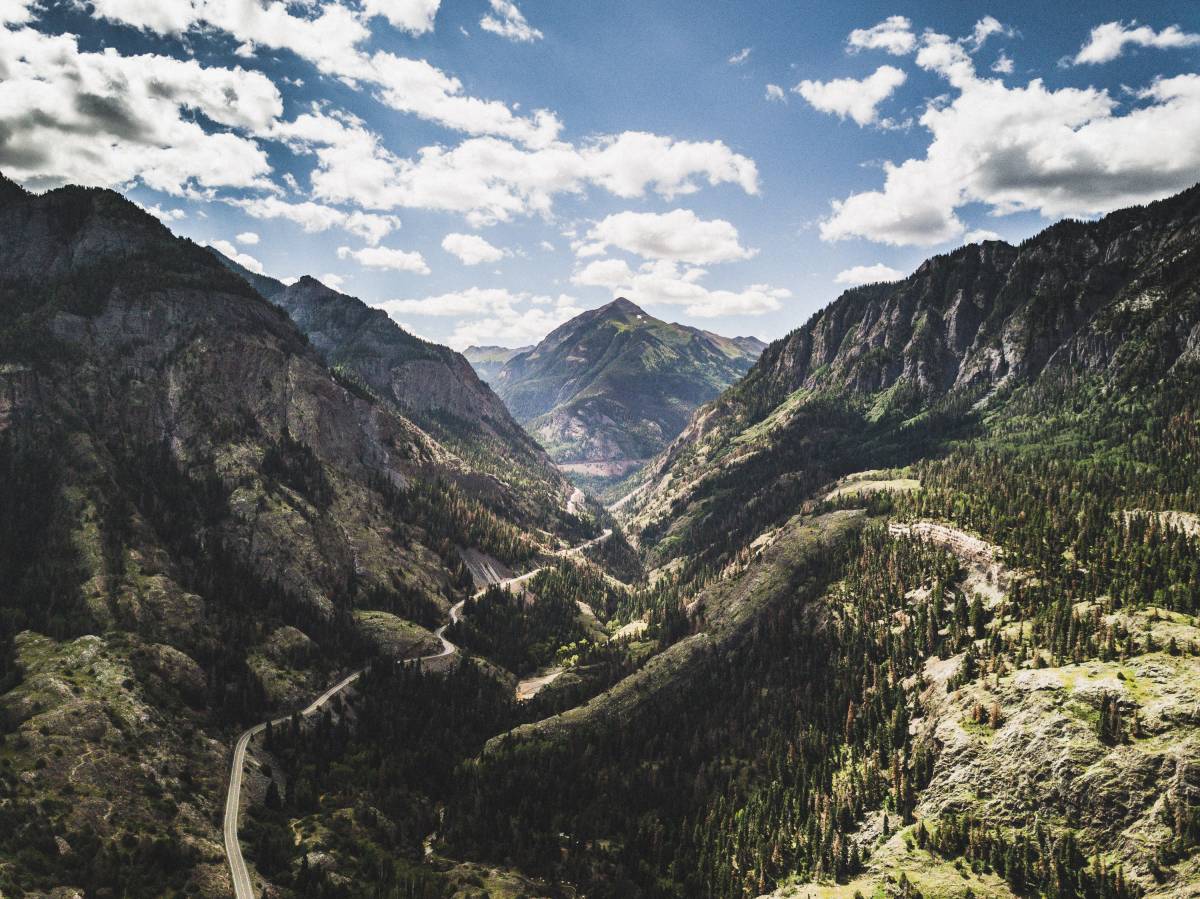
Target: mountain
x,y
432,385
614,385
200,523
911,609
488,360
878,377
931,580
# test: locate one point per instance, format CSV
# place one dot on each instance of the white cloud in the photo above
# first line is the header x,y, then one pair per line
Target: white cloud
x,y
985,28
547,246
332,41
249,238
1108,41
332,281
663,282
164,215
471,249
243,259
510,24
893,35
979,235
740,57
415,86
1003,64
490,315
491,180
678,235
58,105
1056,152
315,217
142,109
386,258
868,274
414,16
776,94
848,97
15,12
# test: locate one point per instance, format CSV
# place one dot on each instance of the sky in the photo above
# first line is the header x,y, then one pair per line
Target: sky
x,y
486,169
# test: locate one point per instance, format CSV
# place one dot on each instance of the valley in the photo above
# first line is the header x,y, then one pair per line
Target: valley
x,y
905,605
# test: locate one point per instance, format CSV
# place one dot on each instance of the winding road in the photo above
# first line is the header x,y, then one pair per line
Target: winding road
x,y
243,887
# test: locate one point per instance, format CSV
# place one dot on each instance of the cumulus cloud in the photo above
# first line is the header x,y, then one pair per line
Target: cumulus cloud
x,y
849,97
664,282
868,274
471,249
491,180
775,93
164,215
245,260
191,130
740,57
979,235
1003,64
1057,152
58,104
678,235
490,315
985,28
893,35
1108,41
414,16
386,258
508,21
315,217
331,41
249,238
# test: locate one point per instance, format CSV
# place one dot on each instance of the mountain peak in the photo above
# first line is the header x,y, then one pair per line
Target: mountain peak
x,y
623,306
612,386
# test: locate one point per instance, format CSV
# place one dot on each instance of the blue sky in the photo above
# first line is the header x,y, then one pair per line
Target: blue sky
x,y
484,169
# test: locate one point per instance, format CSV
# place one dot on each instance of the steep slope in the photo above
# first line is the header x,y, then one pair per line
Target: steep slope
x,y
488,360
989,689
194,514
614,385
430,384
888,370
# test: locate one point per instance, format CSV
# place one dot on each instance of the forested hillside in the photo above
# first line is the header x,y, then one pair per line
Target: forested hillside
x,y
909,610
887,373
987,691
199,522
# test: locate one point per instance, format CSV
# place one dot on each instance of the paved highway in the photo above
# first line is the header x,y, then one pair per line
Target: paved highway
x,y
243,887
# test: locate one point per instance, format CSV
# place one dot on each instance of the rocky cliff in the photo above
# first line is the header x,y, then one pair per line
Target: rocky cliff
x,y
199,522
432,385
1111,299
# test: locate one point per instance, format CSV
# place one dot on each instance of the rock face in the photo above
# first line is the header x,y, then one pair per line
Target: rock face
x,y
615,385
1111,299
183,474
431,384
990,313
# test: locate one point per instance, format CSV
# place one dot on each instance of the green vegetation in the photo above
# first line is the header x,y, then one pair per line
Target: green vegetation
x,y
614,385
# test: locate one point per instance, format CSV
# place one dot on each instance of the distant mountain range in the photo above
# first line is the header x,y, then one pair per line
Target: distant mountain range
x,y
614,385
489,360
